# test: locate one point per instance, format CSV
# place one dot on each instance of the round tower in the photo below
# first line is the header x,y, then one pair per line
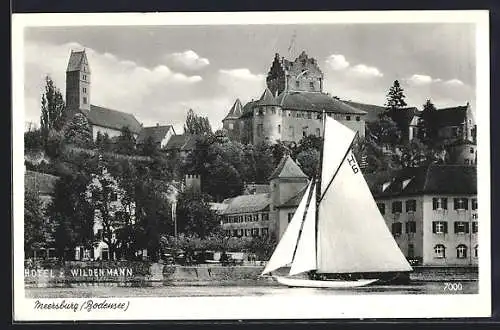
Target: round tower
x,y
267,119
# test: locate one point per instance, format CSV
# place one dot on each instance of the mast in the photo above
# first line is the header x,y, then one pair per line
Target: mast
x,y
318,177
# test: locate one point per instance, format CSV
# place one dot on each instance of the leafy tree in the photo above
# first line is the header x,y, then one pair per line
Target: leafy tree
x,y
33,140
385,131
114,212
103,142
36,230
428,129
308,160
125,143
224,180
308,142
71,214
78,131
194,215
415,154
264,162
52,108
54,144
197,125
149,147
396,97
263,246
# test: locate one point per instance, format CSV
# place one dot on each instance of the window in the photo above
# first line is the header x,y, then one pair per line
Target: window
x,y
396,228
247,232
84,90
474,204
309,115
255,217
290,216
358,118
319,116
297,83
475,252
105,254
466,161
397,207
461,227
411,251
381,208
264,231
318,132
411,227
255,232
265,216
311,84
273,111
235,232
411,205
113,197
248,218
474,227
440,203
460,203
461,251
231,125
439,251
440,227
84,100
279,129
304,131
347,117
84,77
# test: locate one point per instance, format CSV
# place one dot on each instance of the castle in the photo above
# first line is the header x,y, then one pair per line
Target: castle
x,y
290,107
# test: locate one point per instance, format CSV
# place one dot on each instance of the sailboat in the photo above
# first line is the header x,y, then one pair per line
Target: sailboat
x,y
337,237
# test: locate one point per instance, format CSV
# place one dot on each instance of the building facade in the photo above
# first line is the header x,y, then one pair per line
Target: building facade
x,y
291,106
432,213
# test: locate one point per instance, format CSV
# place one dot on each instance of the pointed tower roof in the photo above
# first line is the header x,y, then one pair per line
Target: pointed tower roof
x,y
287,168
236,110
267,98
76,61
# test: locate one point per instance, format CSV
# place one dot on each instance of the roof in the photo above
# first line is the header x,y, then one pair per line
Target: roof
x,y
295,200
218,207
156,133
267,98
236,110
431,179
314,101
247,203
181,142
287,168
372,111
248,108
113,119
41,182
75,61
253,188
402,116
453,116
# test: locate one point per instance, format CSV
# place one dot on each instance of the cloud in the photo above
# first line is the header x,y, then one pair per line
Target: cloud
x,y
420,79
242,74
188,60
337,62
241,83
366,71
454,82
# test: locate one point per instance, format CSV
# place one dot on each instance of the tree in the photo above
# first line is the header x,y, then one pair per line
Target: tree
x,y
194,215
78,131
385,131
52,108
224,180
308,160
428,130
54,144
71,214
308,142
113,210
264,162
197,125
125,143
36,230
149,147
395,97
415,154
33,140
103,142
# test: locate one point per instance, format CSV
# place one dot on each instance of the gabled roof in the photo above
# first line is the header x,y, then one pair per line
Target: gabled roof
x,y
267,98
247,203
156,133
431,179
76,60
401,116
236,110
41,182
314,101
295,200
113,119
287,168
372,111
183,142
248,108
453,116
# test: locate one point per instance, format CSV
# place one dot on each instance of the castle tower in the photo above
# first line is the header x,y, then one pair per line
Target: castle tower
x,y
78,82
231,122
303,74
267,119
287,181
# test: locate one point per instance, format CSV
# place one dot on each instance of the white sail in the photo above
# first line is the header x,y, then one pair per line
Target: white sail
x,y
339,139
352,234
283,254
305,255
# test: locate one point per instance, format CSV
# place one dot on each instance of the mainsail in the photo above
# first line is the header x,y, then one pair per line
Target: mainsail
x,y
283,254
352,234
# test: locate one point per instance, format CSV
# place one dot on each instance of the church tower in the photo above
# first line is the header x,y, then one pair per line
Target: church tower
x,y
78,82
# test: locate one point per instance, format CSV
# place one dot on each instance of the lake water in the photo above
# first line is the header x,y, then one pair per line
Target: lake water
x,y
88,290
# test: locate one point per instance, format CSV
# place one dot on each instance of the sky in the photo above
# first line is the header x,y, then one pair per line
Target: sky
x,y
158,73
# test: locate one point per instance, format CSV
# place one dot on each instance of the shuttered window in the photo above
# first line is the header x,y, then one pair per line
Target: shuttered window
x,y
439,227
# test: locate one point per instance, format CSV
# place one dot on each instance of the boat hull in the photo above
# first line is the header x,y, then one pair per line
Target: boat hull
x,y
333,284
